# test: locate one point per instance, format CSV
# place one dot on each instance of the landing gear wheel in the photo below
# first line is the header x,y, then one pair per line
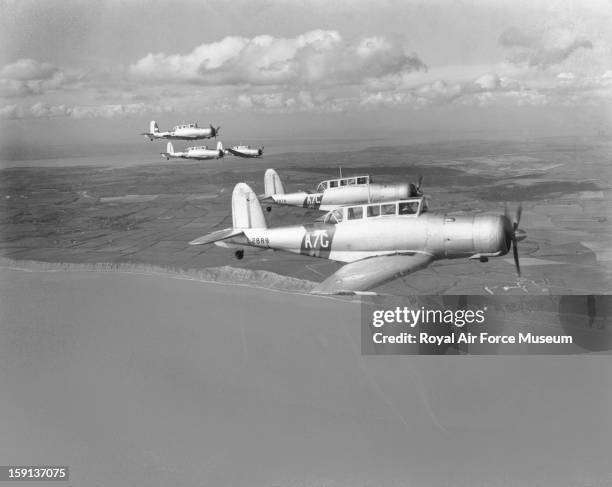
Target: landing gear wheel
x,y
239,254
268,209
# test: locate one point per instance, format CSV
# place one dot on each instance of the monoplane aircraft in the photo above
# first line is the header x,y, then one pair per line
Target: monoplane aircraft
x,y
245,151
336,192
199,153
378,242
189,131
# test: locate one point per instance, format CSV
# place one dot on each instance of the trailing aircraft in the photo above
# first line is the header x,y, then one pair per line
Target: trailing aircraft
x,y
199,153
245,151
378,242
189,131
336,192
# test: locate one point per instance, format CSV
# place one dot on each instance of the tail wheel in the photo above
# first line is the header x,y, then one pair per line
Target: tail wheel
x,y
268,209
239,254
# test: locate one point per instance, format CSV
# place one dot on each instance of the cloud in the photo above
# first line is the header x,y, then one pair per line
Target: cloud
x,y
27,70
488,82
44,110
542,50
513,37
11,112
566,75
27,77
483,90
284,102
318,57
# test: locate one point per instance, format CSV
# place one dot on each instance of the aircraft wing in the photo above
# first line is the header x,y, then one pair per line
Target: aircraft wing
x,y
371,272
236,153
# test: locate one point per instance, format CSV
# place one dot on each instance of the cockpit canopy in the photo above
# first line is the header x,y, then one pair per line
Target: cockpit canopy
x,y
186,126
199,147
337,183
412,207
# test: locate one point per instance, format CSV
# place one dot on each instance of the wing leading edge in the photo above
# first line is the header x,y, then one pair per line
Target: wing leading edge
x,y
236,153
374,271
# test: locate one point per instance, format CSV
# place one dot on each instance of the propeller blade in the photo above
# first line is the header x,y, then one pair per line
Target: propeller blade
x,y
519,212
420,181
516,257
514,234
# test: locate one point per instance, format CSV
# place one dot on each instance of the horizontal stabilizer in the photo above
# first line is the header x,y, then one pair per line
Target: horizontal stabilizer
x,y
216,236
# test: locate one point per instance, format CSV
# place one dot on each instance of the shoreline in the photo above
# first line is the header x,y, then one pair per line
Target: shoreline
x,y
225,275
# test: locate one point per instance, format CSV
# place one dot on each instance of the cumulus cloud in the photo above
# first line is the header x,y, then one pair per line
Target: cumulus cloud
x,y
11,112
284,102
315,57
27,77
542,50
44,110
566,75
482,90
489,81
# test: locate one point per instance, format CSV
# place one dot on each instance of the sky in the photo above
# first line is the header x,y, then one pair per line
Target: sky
x,y
99,71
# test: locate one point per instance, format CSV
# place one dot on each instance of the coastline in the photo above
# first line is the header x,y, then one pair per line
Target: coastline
x,y
225,275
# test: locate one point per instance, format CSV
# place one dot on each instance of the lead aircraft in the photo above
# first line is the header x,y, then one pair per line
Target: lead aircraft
x,y
189,131
378,242
335,192
199,153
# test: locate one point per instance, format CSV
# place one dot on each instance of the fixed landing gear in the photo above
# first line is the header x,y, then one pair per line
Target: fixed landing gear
x,y
239,254
268,209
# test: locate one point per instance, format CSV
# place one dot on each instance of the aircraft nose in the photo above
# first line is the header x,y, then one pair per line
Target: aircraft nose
x,y
520,234
491,234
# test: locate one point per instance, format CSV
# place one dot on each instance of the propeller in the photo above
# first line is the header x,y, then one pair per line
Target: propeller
x,y
214,131
514,234
415,190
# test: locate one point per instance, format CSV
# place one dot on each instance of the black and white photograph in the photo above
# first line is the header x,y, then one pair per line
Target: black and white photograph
x,y
269,243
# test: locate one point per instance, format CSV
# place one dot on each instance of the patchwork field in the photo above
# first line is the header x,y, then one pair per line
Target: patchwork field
x,y
147,213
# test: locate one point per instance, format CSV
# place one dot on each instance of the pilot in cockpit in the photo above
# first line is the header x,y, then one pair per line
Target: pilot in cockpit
x,y
408,208
334,216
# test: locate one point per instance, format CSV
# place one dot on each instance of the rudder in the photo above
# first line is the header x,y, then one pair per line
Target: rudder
x,y
246,210
272,183
153,128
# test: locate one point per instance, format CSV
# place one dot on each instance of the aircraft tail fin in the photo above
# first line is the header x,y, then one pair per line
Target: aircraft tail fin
x,y
273,183
246,210
153,128
220,146
169,151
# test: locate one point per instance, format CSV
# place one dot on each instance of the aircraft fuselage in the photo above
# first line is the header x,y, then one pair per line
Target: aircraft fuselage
x,y
441,236
345,195
184,134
